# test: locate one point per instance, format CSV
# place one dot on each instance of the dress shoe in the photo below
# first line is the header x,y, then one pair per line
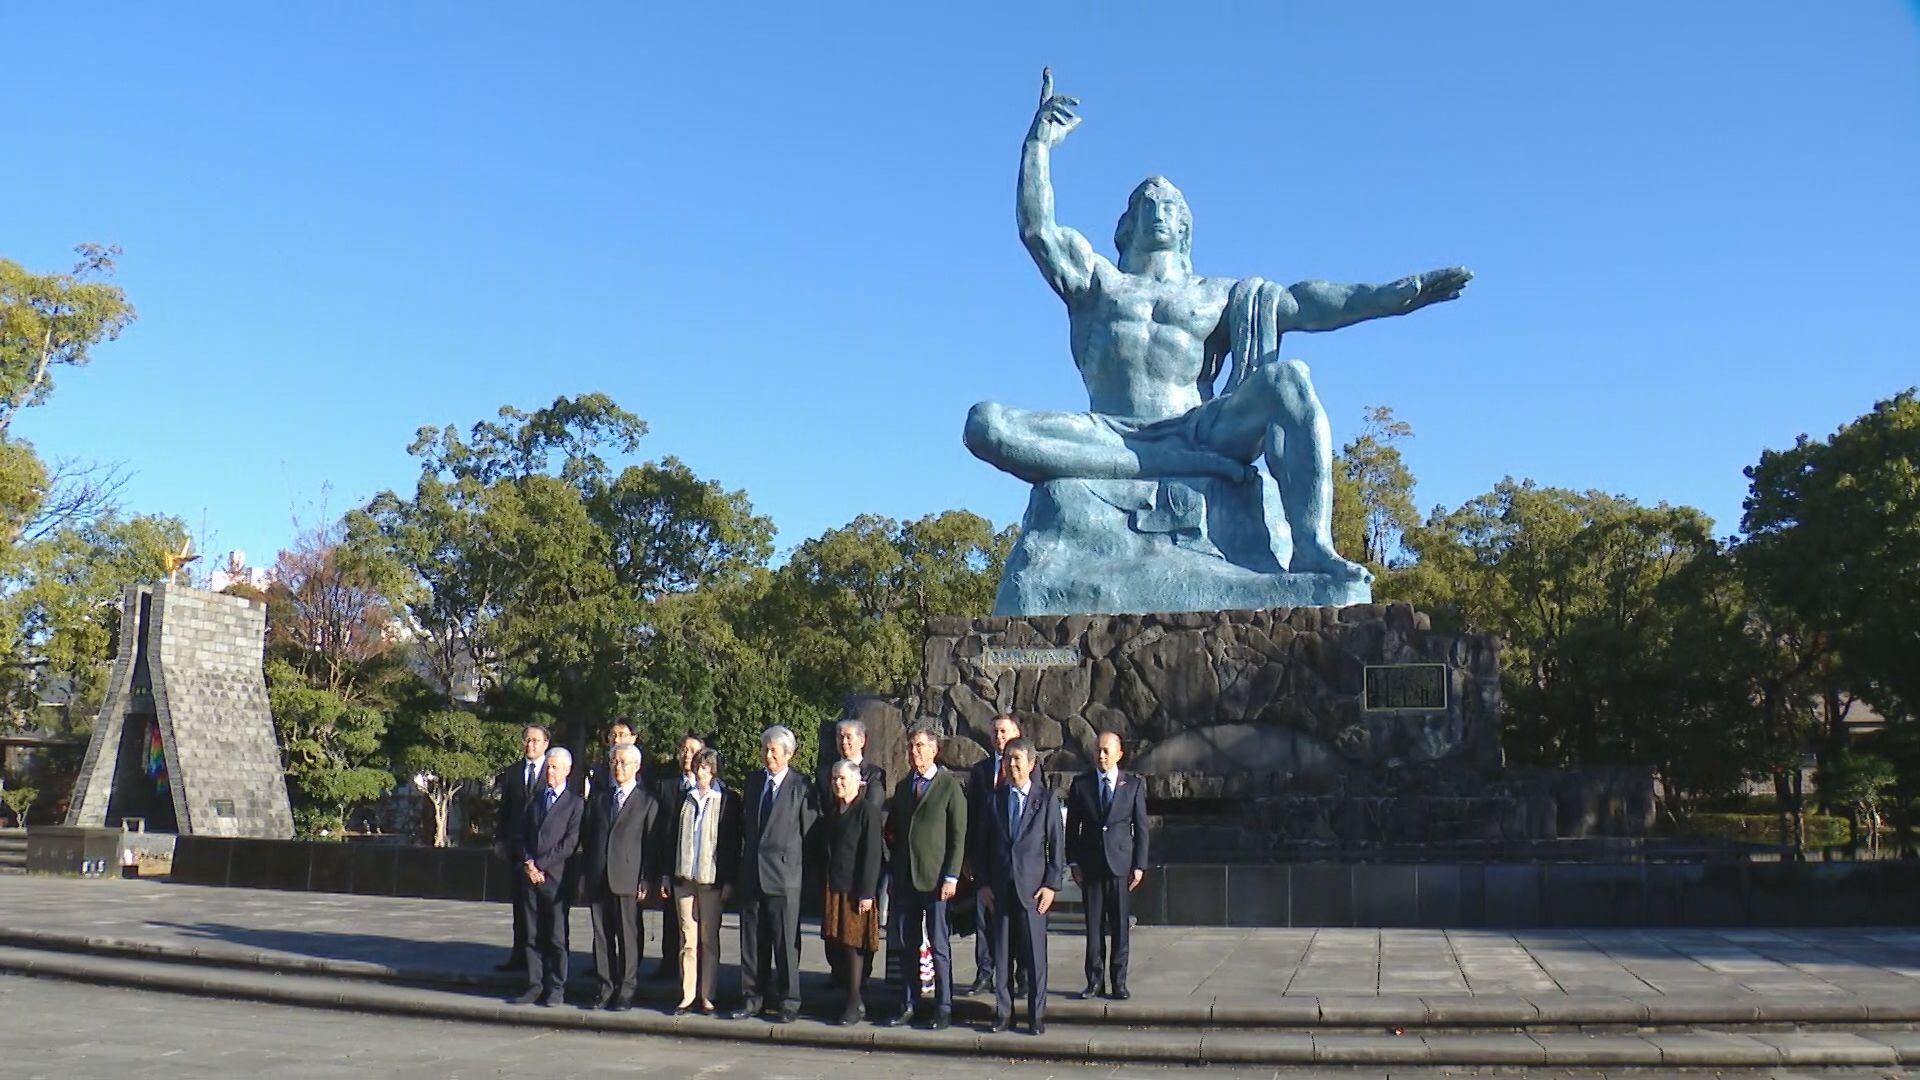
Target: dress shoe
x,y
1091,991
619,1003
1120,993
999,1025
551,999
855,1012
529,997
904,1016
748,1009
788,1014
942,1019
681,1010
599,1001
981,984
1037,1027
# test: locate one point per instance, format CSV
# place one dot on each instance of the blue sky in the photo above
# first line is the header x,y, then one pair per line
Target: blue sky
x,y
783,234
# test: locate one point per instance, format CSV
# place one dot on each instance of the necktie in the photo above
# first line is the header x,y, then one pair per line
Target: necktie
x,y
528,781
1013,810
619,799
551,795
919,786
766,802
1106,794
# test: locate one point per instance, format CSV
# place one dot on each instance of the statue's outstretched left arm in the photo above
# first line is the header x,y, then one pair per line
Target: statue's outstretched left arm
x,y
1323,305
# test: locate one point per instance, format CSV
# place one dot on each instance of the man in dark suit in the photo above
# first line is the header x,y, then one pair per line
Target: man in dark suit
x,y
777,812
928,816
549,835
600,777
513,786
1107,852
1021,863
986,775
674,779
619,857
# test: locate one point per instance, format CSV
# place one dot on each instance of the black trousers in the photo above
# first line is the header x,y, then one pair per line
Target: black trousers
x,y
770,948
1109,907
1019,936
546,915
619,942
669,939
921,916
519,905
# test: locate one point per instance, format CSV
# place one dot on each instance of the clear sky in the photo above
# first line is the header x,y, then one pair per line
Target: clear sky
x,y
783,234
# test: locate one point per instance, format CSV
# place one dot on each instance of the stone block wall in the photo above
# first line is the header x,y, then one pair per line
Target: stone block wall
x,y
203,656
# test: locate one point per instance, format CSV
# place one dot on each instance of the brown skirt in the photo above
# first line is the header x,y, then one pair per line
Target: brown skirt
x,y
843,923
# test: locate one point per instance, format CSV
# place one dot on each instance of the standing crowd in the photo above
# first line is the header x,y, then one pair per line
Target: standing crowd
x,y
889,862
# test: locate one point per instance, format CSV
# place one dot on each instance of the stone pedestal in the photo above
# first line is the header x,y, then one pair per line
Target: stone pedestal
x,y
1263,732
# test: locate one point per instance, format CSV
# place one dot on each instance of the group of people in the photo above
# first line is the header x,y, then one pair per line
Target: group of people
x,y
890,860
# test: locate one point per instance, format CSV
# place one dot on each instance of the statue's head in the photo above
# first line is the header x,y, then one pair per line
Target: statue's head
x,y
1156,219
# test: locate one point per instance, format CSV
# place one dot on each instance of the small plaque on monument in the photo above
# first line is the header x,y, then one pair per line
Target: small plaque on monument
x,y
1028,656
1406,686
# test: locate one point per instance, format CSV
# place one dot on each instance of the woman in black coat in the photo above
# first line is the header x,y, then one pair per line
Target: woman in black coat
x,y
850,921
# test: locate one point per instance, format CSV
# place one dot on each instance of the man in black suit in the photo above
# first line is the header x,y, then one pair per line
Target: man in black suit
x,y
1107,852
985,775
619,855
619,734
513,786
1021,863
674,779
549,835
777,813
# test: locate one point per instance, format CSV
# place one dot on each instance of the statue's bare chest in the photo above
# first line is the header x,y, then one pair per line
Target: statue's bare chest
x,y
1144,303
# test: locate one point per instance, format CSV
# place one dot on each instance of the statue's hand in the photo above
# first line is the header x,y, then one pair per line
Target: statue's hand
x,y
1438,285
1055,116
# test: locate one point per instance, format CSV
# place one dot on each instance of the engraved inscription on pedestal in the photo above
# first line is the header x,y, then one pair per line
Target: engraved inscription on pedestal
x,y
1017,657
1406,686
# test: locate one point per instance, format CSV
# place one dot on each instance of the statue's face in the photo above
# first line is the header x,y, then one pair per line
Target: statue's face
x,y
1157,219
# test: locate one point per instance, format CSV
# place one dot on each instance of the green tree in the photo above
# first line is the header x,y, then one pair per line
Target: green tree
x,y
1373,492
448,755
332,749
49,321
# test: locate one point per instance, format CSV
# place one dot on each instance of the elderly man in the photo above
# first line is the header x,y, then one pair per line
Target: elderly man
x,y
620,857
777,812
674,781
1020,863
1107,852
512,787
982,779
928,817
549,835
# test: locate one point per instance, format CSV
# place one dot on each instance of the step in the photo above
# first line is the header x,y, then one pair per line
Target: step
x,y
1884,1049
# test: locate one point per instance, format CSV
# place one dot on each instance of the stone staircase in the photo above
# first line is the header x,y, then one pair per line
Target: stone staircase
x,y
13,851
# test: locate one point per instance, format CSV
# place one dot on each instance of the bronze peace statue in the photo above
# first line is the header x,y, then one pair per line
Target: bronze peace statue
x,y
1151,499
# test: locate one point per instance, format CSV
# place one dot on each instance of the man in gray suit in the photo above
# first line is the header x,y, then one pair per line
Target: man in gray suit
x,y
1023,855
618,861
777,811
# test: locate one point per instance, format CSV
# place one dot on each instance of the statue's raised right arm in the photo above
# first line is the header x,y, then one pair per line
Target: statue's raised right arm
x,y
1063,255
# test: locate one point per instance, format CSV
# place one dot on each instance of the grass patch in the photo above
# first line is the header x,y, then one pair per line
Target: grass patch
x,y
1822,829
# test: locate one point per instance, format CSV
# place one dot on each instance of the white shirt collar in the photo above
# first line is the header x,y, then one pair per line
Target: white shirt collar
x,y
776,778
627,788
1112,778
932,771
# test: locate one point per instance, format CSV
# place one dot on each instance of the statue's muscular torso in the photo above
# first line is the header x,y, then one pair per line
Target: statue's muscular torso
x,y
1140,343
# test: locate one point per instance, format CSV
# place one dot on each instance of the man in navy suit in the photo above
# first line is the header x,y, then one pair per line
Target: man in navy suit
x,y
777,813
1107,851
983,779
549,835
515,784
1022,856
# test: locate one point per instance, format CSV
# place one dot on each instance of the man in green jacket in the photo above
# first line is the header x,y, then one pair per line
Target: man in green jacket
x,y
928,816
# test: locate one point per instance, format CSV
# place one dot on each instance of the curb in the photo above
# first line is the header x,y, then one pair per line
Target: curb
x,y
1702,1049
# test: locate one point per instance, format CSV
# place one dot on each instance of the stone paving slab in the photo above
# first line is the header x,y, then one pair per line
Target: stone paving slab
x,y
1273,977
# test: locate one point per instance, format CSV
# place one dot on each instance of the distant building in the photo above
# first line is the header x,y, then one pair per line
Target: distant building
x,y
233,570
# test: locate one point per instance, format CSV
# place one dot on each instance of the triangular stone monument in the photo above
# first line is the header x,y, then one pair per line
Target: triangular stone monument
x,y
185,740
